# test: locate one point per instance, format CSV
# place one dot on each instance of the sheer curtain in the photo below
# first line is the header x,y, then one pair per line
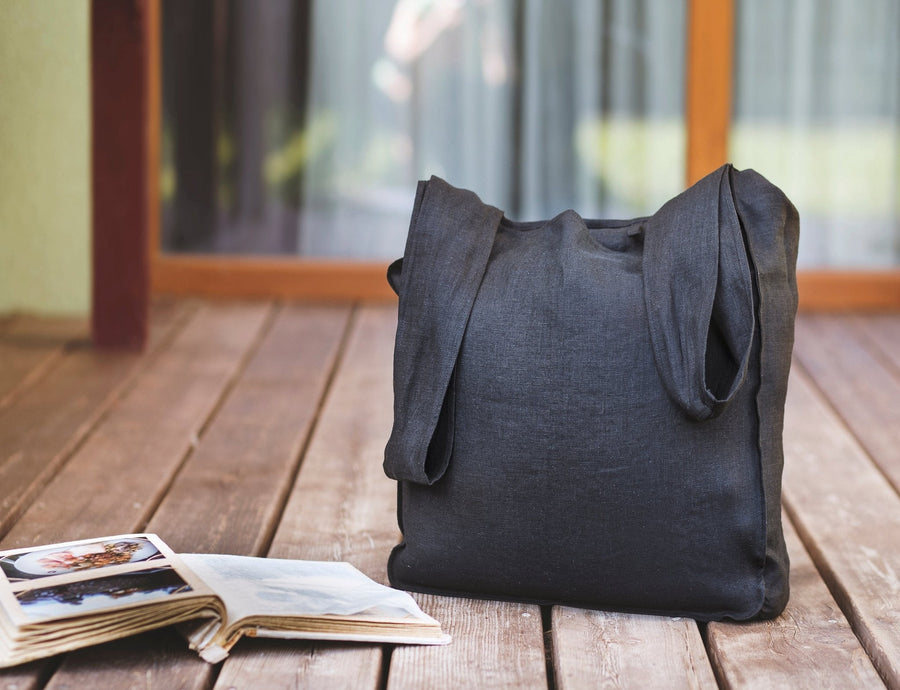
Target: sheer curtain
x,y
817,109
539,106
301,126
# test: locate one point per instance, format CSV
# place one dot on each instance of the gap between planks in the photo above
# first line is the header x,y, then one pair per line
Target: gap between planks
x,y
269,317
338,509
29,349
855,369
49,422
848,516
809,646
118,474
141,439
289,650
226,494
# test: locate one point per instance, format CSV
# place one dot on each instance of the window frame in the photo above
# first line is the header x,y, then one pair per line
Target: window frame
x,y
123,279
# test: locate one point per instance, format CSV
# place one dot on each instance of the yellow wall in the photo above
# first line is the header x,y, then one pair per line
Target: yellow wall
x,y
44,156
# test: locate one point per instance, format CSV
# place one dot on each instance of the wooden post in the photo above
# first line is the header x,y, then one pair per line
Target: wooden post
x,y
709,80
124,34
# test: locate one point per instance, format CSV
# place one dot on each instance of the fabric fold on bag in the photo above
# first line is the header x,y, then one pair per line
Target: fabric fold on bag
x,y
699,295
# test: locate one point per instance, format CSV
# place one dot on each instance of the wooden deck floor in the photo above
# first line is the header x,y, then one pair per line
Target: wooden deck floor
x,y
258,428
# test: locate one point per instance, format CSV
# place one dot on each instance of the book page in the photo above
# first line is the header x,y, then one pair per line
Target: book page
x,y
268,597
256,587
72,579
59,597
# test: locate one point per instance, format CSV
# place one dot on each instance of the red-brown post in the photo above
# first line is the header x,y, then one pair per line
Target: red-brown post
x,y
122,48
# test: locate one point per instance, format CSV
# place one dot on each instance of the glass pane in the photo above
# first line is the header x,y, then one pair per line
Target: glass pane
x,y
817,110
302,127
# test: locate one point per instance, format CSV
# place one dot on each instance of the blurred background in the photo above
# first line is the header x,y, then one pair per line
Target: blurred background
x,y
307,123
298,128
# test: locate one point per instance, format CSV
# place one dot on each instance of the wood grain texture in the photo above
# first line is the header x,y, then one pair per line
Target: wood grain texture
x,y
28,351
164,665
289,665
31,676
495,645
858,382
882,334
30,346
224,498
45,424
596,649
341,505
811,645
22,365
848,517
230,492
242,453
117,477
53,403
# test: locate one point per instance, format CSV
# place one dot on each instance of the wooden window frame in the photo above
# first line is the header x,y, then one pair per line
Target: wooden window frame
x,y
710,59
129,264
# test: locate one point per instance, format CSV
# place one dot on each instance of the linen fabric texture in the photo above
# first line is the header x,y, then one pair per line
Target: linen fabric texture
x,y
590,412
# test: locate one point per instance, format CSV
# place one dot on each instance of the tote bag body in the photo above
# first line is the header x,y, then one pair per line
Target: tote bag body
x,y
590,412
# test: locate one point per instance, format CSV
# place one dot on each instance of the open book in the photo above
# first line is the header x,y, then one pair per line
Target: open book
x,y
61,597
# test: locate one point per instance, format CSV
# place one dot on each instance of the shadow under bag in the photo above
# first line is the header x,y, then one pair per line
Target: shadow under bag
x,y
590,412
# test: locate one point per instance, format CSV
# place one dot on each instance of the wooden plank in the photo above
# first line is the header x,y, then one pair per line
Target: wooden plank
x,y
288,665
864,390
32,676
53,402
29,347
232,489
47,422
593,649
120,33
116,479
22,365
810,646
495,644
107,666
118,475
708,75
341,506
882,334
46,329
272,277
848,517
227,495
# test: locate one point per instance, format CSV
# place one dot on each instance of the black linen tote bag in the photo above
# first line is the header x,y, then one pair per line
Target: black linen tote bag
x,y
590,412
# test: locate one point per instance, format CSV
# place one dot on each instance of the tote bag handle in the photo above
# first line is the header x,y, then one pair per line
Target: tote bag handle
x,y
699,296
698,293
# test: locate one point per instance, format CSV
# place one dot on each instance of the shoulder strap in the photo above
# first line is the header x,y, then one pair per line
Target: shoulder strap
x,y
698,292
450,239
